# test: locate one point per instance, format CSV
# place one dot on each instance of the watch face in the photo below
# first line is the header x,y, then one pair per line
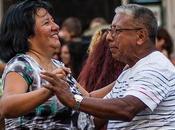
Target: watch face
x,y
78,98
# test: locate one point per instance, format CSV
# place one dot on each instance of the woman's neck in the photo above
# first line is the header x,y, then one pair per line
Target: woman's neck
x,y
43,60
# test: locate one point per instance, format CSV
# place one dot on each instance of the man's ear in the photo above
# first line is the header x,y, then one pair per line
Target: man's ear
x,y
142,36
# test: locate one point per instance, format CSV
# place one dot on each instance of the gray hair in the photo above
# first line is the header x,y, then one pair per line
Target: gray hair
x,y
141,15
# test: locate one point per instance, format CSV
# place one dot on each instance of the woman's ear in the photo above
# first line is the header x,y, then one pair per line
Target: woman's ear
x,y
29,39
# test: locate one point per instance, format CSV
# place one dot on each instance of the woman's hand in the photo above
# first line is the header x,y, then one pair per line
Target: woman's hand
x,y
62,72
60,87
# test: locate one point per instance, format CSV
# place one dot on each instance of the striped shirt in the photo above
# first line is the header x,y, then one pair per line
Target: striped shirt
x,y
152,80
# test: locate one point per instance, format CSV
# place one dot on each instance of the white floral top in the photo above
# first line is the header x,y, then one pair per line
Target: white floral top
x,y
51,114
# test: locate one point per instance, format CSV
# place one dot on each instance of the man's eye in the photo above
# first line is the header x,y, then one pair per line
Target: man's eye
x,y
46,23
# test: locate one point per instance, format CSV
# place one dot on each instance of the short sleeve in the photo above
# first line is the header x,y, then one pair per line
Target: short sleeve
x,y
22,68
150,86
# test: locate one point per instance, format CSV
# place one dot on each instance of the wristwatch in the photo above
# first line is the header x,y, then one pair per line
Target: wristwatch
x,y
78,99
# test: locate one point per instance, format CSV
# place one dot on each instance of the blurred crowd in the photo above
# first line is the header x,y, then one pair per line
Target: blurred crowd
x,y
88,56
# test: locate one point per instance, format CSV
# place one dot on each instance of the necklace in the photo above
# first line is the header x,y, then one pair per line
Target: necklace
x,y
44,62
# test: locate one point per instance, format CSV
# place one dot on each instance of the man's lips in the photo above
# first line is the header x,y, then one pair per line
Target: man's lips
x,y
113,48
55,35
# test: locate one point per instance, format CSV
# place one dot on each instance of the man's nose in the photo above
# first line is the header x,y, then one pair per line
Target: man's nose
x,y
109,37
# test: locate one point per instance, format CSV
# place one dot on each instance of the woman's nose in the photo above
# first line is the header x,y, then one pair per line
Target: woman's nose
x,y
55,26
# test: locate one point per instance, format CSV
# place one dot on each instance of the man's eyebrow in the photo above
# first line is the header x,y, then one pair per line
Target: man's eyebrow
x,y
112,26
45,19
115,26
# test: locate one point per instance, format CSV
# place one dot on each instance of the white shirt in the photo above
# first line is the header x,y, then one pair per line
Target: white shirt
x,y
152,80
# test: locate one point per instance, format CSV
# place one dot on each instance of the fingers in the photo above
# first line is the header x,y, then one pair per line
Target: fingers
x,y
62,70
49,74
67,70
51,78
61,76
49,86
59,71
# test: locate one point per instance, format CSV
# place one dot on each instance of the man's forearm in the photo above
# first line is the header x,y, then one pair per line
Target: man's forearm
x,y
118,109
100,93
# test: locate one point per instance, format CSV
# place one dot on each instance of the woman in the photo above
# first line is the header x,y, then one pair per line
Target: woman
x,y
28,40
72,57
100,68
65,55
164,42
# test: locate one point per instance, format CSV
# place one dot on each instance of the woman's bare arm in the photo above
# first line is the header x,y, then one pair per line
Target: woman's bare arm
x,y
16,101
100,93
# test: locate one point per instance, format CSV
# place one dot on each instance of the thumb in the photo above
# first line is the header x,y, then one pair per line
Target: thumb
x,y
67,70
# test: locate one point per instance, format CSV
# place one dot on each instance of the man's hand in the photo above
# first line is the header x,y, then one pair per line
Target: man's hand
x,y
60,87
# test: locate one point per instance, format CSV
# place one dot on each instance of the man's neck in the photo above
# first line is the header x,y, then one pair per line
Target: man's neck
x,y
141,54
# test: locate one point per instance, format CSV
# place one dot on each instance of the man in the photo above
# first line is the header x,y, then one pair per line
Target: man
x,y
143,96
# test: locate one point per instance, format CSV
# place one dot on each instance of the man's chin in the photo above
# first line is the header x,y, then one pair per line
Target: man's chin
x,y
117,58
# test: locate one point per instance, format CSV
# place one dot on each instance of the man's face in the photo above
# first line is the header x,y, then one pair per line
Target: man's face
x,y
122,37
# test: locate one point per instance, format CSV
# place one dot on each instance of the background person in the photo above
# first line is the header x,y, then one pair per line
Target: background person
x,y
164,42
71,30
71,55
100,68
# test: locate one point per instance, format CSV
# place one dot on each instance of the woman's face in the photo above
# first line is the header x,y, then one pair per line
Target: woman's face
x,y
65,55
45,39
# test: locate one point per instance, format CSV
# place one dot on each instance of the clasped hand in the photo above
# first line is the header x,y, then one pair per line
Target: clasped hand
x,y
58,84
